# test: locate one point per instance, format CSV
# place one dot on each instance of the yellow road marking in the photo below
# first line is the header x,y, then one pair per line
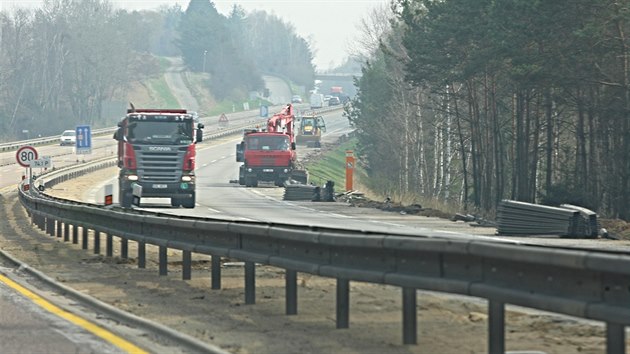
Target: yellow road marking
x,y
94,329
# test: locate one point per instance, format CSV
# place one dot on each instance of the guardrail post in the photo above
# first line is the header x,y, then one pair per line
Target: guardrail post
x,y
97,242
84,238
291,292
75,234
66,232
124,248
109,245
615,338
50,226
410,317
496,327
142,255
343,303
59,228
42,223
250,283
216,272
163,260
186,265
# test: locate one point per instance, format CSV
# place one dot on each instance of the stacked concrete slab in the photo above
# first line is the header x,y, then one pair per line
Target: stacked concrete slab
x,y
520,218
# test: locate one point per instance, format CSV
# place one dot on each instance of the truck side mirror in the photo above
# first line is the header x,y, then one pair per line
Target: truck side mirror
x,y
199,137
240,152
118,134
293,146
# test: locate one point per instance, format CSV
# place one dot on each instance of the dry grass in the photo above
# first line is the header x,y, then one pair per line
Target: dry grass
x,y
617,228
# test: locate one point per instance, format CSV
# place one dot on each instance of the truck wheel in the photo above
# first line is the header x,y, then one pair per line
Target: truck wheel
x,y
175,202
251,182
241,177
189,202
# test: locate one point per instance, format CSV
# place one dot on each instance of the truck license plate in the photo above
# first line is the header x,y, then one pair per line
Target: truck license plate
x,y
160,186
267,170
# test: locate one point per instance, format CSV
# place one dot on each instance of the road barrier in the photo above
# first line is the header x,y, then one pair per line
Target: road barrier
x,y
590,284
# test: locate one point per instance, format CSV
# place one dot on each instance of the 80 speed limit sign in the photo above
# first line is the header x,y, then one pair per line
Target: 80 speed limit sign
x,y
25,155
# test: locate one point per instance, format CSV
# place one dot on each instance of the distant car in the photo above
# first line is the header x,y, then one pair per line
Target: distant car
x,y
296,99
333,101
327,98
68,137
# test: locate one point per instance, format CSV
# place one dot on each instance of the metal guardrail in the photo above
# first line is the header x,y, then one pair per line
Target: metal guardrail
x,y
55,139
46,140
582,283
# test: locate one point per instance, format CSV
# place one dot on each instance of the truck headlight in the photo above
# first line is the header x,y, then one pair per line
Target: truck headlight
x,y
249,170
286,170
186,178
132,177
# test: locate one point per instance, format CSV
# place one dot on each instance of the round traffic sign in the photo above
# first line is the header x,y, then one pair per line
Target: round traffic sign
x,y
25,155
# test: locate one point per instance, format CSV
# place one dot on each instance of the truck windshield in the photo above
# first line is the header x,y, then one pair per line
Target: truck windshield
x,y
160,133
276,142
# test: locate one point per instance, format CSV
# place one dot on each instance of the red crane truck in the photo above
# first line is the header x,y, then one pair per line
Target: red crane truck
x,y
156,151
269,155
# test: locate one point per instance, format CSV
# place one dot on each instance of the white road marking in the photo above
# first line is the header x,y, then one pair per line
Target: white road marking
x,y
214,211
385,223
213,161
337,215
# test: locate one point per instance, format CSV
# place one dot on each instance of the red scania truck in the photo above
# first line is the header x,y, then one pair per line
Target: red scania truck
x,y
269,155
156,151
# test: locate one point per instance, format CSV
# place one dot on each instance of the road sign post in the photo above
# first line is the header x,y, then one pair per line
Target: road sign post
x,y
44,162
264,111
109,194
25,156
84,140
349,169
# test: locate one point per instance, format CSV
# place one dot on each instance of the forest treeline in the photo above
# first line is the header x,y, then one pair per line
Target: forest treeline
x,y
468,102
64,63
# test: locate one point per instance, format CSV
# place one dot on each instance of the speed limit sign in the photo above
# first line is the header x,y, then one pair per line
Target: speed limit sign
x,y
25,155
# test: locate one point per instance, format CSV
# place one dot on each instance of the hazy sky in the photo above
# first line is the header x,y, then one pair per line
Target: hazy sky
x,y
330,24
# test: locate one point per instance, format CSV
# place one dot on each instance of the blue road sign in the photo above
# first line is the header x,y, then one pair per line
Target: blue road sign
x,y
84,139
264,111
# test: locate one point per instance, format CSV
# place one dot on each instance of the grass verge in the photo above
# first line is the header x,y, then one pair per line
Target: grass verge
x,y
331,166
162,93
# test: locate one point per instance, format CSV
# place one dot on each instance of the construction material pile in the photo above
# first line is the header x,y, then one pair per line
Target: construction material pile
x,y
520,218
298,191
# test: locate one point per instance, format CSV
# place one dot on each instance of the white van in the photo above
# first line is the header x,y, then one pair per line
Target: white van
x,y
317,100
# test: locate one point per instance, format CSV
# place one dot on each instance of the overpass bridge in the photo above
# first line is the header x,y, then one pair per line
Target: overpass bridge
x,y
345,80
337,77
